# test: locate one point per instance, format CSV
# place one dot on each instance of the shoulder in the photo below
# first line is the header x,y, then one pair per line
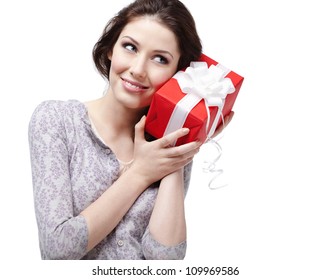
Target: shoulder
x,y
58,109
55,114
58,106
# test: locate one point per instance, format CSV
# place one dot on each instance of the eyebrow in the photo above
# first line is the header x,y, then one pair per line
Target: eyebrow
x,y
137,43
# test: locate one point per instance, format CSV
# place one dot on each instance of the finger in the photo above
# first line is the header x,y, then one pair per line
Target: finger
x,y
229,117
184,151
169,139
182,163
226,121
139,129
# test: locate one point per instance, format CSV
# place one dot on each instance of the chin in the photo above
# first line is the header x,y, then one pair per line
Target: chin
x,y
138,107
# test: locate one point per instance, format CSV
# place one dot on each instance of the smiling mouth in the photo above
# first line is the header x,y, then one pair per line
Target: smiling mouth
x,y
133,85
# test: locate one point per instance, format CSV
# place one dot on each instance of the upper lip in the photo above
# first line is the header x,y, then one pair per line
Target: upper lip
x,y
135,83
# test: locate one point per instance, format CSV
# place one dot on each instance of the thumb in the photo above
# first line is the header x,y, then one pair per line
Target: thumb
x,y
139,129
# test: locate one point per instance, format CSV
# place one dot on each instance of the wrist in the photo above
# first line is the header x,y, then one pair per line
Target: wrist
x,y
143,180
173,179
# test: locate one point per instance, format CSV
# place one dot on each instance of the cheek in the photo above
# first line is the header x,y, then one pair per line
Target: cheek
x,y
161,78
116,66
119,62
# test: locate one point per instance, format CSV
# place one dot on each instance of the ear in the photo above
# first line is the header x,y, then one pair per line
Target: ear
x,y
109,55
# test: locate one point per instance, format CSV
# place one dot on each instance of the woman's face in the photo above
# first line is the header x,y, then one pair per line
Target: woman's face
x,y
144,57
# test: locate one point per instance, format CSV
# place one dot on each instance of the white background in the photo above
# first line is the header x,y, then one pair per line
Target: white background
x,y
272,221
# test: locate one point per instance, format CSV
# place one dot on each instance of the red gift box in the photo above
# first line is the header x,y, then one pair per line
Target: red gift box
x,y
165,100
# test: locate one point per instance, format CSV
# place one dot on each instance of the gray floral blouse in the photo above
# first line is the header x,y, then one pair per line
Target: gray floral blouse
x,y
71,168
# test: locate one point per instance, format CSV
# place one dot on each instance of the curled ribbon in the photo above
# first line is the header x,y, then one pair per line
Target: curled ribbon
x,y
210,166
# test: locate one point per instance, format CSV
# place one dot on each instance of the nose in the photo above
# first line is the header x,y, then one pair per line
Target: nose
x,y
138,67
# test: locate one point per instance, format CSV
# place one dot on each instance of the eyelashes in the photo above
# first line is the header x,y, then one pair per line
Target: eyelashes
x,y
161,59
158,58
130,47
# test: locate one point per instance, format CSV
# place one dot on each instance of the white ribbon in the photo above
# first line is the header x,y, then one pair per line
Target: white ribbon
x,y
210,166
200,82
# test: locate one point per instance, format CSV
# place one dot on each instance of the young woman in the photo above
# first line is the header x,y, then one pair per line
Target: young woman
x,y
101,190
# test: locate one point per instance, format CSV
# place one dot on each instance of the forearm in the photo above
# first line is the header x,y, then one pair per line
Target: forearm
x,y
167,223
103,215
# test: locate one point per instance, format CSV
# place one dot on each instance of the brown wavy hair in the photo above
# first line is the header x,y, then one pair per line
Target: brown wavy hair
x,y
172,13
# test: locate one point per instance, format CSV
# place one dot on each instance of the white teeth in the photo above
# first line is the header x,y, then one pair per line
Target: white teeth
x,y
131,85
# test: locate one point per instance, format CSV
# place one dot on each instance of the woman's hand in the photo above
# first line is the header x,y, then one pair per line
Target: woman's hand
x,y
154,160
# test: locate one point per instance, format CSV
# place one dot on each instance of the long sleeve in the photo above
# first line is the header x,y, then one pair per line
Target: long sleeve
x,y
61,234
153,250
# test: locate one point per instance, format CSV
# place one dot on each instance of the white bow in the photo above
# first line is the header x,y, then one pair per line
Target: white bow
x,y
199,82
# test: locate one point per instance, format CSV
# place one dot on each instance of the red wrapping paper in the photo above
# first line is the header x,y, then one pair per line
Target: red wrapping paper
x,y
166,98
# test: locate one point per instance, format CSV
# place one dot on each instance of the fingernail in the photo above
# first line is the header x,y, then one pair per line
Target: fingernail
x,y
185,130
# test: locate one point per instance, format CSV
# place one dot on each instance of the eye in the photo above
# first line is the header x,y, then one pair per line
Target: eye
x,y
161,59
130,47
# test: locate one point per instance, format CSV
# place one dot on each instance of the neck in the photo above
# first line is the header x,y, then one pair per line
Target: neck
x,y
110,116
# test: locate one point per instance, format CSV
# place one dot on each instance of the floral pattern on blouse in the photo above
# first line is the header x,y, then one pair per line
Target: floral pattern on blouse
x,y
71,168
